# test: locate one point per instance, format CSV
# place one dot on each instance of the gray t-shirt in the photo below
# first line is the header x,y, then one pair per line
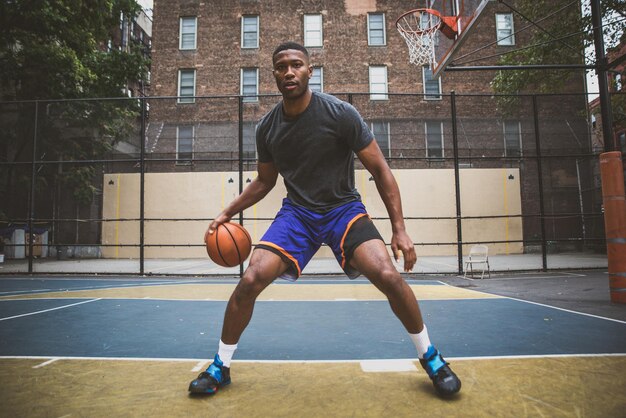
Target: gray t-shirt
x,y
314,151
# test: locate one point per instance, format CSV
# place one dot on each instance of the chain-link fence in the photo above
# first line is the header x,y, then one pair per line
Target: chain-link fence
x,y
129,185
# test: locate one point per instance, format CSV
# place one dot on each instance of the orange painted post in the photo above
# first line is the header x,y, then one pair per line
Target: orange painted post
x,y
612,173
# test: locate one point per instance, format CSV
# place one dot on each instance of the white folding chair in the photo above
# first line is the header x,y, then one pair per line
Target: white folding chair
x,y
479,254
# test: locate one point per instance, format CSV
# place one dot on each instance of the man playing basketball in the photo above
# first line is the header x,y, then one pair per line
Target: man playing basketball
x,y
310,139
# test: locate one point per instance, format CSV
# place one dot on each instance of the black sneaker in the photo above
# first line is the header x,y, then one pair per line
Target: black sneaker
x,y
445,381
209,381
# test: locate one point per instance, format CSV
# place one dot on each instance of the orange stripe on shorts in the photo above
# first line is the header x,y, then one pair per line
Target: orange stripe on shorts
x,y
283,252
345,234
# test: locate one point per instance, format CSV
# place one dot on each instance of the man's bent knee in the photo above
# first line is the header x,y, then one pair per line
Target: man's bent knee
x,y
389,281
249,287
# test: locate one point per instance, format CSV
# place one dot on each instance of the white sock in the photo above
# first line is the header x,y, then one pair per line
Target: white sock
x,y
421,341
226,352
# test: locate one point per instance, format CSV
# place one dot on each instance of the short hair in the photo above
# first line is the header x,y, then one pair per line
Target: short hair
x,y
290,45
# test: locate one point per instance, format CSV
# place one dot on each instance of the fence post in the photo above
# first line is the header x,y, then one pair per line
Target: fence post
x,y
240,105
601,72
544,259
31,206
142,189
457,184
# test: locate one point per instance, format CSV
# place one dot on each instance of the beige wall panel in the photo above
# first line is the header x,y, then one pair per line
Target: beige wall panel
x,y
120,201
425,193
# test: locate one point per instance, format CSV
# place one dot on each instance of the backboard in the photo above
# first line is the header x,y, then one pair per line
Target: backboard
x,y
466,13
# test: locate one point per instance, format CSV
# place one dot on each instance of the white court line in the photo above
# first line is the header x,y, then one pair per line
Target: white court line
x,y
48,310
197,360
199,366
45,363
377,366
179,266
103,287
566,310
559,275
546,306
26,291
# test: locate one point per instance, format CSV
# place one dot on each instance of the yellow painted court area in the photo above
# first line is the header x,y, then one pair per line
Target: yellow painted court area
x,y
531,387
279,292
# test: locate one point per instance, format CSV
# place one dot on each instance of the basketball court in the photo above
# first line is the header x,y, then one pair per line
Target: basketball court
x,y
539,344
322,346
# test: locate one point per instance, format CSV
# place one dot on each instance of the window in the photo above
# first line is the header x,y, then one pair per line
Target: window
x,y
428,21
432,85
504,29
617,82
250,32
378,83
184,144
313,30
316,83
376,29
512,139
381,132
621,142
249,84
249,140
434,139
187,39
186,86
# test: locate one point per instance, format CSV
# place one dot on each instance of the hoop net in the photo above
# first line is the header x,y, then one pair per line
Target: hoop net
x,y
419,29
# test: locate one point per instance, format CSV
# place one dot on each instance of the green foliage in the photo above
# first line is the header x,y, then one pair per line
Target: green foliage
x,y
57,49
563,41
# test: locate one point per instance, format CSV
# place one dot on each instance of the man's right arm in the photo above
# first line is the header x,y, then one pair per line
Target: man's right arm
x,y
257,190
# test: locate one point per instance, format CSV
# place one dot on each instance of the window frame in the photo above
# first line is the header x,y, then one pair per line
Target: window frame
x,y
427,96
195,33
443,152
249,132
321,77
508,40
620,140
186,99
305,31
369,29
387,125
243,32
505,133
377,95
247,98
179,160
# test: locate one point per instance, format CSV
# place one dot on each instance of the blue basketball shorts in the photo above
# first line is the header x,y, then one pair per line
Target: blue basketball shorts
x,y
297,233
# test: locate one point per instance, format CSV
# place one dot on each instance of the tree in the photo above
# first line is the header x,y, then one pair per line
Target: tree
x,y
56,50
565,32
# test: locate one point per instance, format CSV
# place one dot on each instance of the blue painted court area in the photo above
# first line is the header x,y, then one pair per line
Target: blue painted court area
x,y
294,330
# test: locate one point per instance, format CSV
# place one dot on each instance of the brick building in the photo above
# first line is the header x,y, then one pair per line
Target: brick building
x,y
617,79
208,53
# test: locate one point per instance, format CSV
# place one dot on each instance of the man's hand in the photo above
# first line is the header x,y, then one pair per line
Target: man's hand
x,y
220,219
402,243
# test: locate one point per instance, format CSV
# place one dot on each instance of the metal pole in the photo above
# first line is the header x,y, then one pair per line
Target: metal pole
x,y
457,184
603,81
614,200
31,208
240,102
142,188
544,258
519,67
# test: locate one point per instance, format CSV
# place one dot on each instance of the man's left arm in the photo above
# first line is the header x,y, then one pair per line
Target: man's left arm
x,y
374,161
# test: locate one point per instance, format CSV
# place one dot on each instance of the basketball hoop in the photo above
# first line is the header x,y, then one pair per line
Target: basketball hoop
x,y
419,29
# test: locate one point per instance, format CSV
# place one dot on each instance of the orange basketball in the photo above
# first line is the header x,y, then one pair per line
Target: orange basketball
x,y
229,245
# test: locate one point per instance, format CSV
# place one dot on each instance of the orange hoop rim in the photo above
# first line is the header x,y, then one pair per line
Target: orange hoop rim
x,y
420,31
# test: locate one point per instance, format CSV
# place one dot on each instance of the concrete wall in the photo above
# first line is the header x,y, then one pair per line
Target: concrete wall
x,y
425,193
